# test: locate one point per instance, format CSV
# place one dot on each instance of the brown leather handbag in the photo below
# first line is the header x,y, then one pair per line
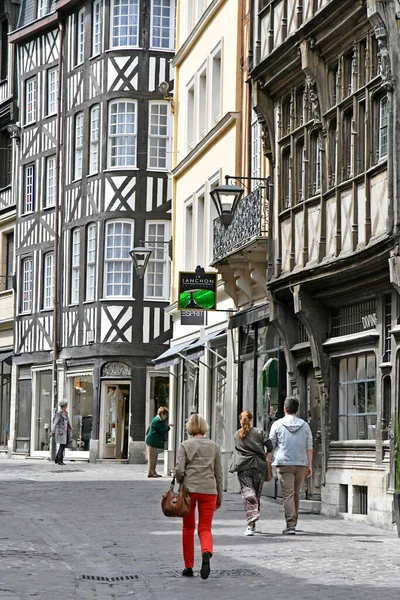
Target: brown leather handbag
x,y
175,504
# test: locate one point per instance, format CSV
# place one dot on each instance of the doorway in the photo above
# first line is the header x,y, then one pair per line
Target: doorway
x,y
115,419
313,407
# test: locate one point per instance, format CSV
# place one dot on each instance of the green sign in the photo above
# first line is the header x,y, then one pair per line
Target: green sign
x,y
197,292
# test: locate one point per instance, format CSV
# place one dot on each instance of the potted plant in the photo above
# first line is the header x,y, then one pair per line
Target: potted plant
x,y
396,495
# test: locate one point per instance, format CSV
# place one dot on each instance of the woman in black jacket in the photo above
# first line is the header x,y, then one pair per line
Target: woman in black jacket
x,y
252,448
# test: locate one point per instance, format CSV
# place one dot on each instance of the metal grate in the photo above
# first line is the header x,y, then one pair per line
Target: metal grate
x,y
117,579
354,318
223,573
360,500
302,335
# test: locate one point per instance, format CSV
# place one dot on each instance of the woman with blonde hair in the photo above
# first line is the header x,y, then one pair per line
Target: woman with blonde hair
x,y
199,470
252,448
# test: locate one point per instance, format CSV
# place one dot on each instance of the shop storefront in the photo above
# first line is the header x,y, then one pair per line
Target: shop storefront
x,y
5,397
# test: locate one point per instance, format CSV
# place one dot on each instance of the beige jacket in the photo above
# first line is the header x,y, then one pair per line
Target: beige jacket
x,y
199,467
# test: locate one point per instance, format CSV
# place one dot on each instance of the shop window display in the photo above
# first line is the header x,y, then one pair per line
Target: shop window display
x,y
81,413
43,411
357,398
218,428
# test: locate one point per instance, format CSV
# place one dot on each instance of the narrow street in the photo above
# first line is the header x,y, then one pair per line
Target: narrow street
x,y
97,532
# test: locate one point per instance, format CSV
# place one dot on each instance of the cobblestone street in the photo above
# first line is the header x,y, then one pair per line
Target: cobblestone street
x,y
72,532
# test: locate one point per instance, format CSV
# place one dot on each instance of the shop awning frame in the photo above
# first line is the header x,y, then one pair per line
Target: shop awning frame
x,y
5,357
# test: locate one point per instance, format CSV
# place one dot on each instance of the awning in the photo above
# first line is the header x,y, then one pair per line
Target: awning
x,y
246,317
170,357
6,357
196,350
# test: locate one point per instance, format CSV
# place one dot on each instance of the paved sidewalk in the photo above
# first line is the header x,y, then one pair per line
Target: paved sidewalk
x,y
69,532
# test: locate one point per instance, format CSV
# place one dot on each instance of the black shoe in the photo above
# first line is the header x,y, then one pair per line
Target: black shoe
x,y
205,566
62,463
187,572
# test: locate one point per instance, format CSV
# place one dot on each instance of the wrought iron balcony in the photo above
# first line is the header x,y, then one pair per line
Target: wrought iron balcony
x,y
250,221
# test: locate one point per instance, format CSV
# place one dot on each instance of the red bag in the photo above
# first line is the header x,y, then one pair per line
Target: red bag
x,y
175,504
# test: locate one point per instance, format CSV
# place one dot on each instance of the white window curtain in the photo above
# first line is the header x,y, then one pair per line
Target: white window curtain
x,y
48,281
125,23
91,262
118,263
76,253
158,136
122,134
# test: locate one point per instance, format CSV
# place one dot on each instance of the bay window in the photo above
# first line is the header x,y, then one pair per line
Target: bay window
x,y
157,272
76,254
125,23
122,134
118,263
158,136
91,262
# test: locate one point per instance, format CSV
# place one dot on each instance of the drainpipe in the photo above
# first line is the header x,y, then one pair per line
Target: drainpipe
x,y
57,287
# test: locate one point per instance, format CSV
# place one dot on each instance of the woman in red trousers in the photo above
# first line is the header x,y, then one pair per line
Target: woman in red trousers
x,y
199,469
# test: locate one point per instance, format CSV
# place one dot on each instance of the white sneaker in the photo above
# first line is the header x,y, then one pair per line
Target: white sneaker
x,y
249,531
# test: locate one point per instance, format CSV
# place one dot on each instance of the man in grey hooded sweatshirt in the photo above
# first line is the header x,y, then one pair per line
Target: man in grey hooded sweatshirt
x,y
293,450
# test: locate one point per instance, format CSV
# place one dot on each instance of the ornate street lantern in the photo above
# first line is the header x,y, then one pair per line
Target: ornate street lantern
x,y
226,198
141,257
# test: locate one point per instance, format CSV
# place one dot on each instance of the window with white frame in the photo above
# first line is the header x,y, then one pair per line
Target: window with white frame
x,y
190,116
163,24
80,37
122,134
216,86
52,85
76,255
78,146
125,23
158,136
96,27
27,282
202,110
90,261
30,100
255,152
42,8
50,181
157,279
29,189
383,127
48,280
118,263
94,139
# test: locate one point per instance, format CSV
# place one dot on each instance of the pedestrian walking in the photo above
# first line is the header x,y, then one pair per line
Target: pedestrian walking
x,y
199,469
252,448
61,430
155,439
292,441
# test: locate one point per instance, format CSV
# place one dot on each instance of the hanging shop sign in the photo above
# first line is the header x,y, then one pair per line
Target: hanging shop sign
x,y
197,291
192,317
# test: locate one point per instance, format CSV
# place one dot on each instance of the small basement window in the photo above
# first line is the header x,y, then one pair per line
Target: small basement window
x,y
360,500
343,498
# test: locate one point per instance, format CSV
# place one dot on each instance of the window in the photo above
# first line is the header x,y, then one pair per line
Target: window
x,y
357,398
90,261
8,284
125,23
158,135
118,264
162,24
76,255
188,236
42,8
30,100
347,145
48,280
190,116
27,268
156,283
50,181
216,86
5,159
286,116
361,138
299,107
29,189
316,150
96,29
4,50
80,37
348,74
202,106
300,171
78,145
52,91
286,175
383,127
255,153
122,134
94,139
333,83
332,137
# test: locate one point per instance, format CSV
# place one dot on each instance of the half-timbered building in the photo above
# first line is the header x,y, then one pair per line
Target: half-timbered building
x,y
9,135
325,74
95,151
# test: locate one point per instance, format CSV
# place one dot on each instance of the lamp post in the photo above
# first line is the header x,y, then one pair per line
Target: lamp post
x,y
141,256
227,197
